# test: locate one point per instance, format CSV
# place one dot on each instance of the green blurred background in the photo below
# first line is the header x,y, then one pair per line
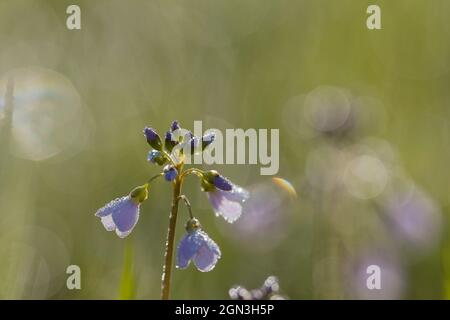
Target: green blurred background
x,y
364,119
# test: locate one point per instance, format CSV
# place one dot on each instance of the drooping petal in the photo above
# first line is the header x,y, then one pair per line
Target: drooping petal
x,y
126,217
120,214
123,234
108,223
110,207
187,248
207,256
228,204
199,247
222,183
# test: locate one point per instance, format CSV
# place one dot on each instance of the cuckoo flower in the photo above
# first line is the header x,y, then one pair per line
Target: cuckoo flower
x,y
225,197
197,246
172,155
122,214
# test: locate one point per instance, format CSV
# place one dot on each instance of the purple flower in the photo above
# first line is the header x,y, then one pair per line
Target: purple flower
x,y
197,246
175,125
222,183
169,141
170,173
228,204
153,138
122,214
207,139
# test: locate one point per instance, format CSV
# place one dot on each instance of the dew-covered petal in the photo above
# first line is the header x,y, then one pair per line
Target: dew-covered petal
x,y
120,214
207,256
127,217
123,234
223,183
228,204
110,207
237,194
108,223
187,248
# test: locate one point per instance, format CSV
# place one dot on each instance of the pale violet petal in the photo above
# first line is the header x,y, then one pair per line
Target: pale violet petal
x,y
127,217
122,234
187,248
207,256
108,223
228,204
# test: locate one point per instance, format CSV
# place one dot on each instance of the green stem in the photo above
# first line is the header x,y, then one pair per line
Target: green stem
x,y
168,157
195,171
167,268
155,177
188,205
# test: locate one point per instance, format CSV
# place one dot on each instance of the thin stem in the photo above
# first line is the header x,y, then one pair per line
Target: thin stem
x,y
196,171
188,205
168,157
167,269
155,177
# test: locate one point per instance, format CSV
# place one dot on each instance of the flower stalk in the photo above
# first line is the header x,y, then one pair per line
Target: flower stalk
x,y
168,257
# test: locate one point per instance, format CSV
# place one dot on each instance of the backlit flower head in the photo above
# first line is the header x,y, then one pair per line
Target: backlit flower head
x,y
122,214
197,246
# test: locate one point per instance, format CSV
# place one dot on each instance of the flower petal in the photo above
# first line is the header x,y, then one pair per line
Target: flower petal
x,y
123,234
228,204
127,217
187,248
207,256
108,223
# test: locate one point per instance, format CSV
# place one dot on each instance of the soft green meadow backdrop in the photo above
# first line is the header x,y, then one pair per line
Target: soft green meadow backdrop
x,y
363,115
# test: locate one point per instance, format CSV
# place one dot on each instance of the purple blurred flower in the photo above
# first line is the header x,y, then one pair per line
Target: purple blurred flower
x,y
228,204
170,173
415,217
122,214
197,246
392,277
266,221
